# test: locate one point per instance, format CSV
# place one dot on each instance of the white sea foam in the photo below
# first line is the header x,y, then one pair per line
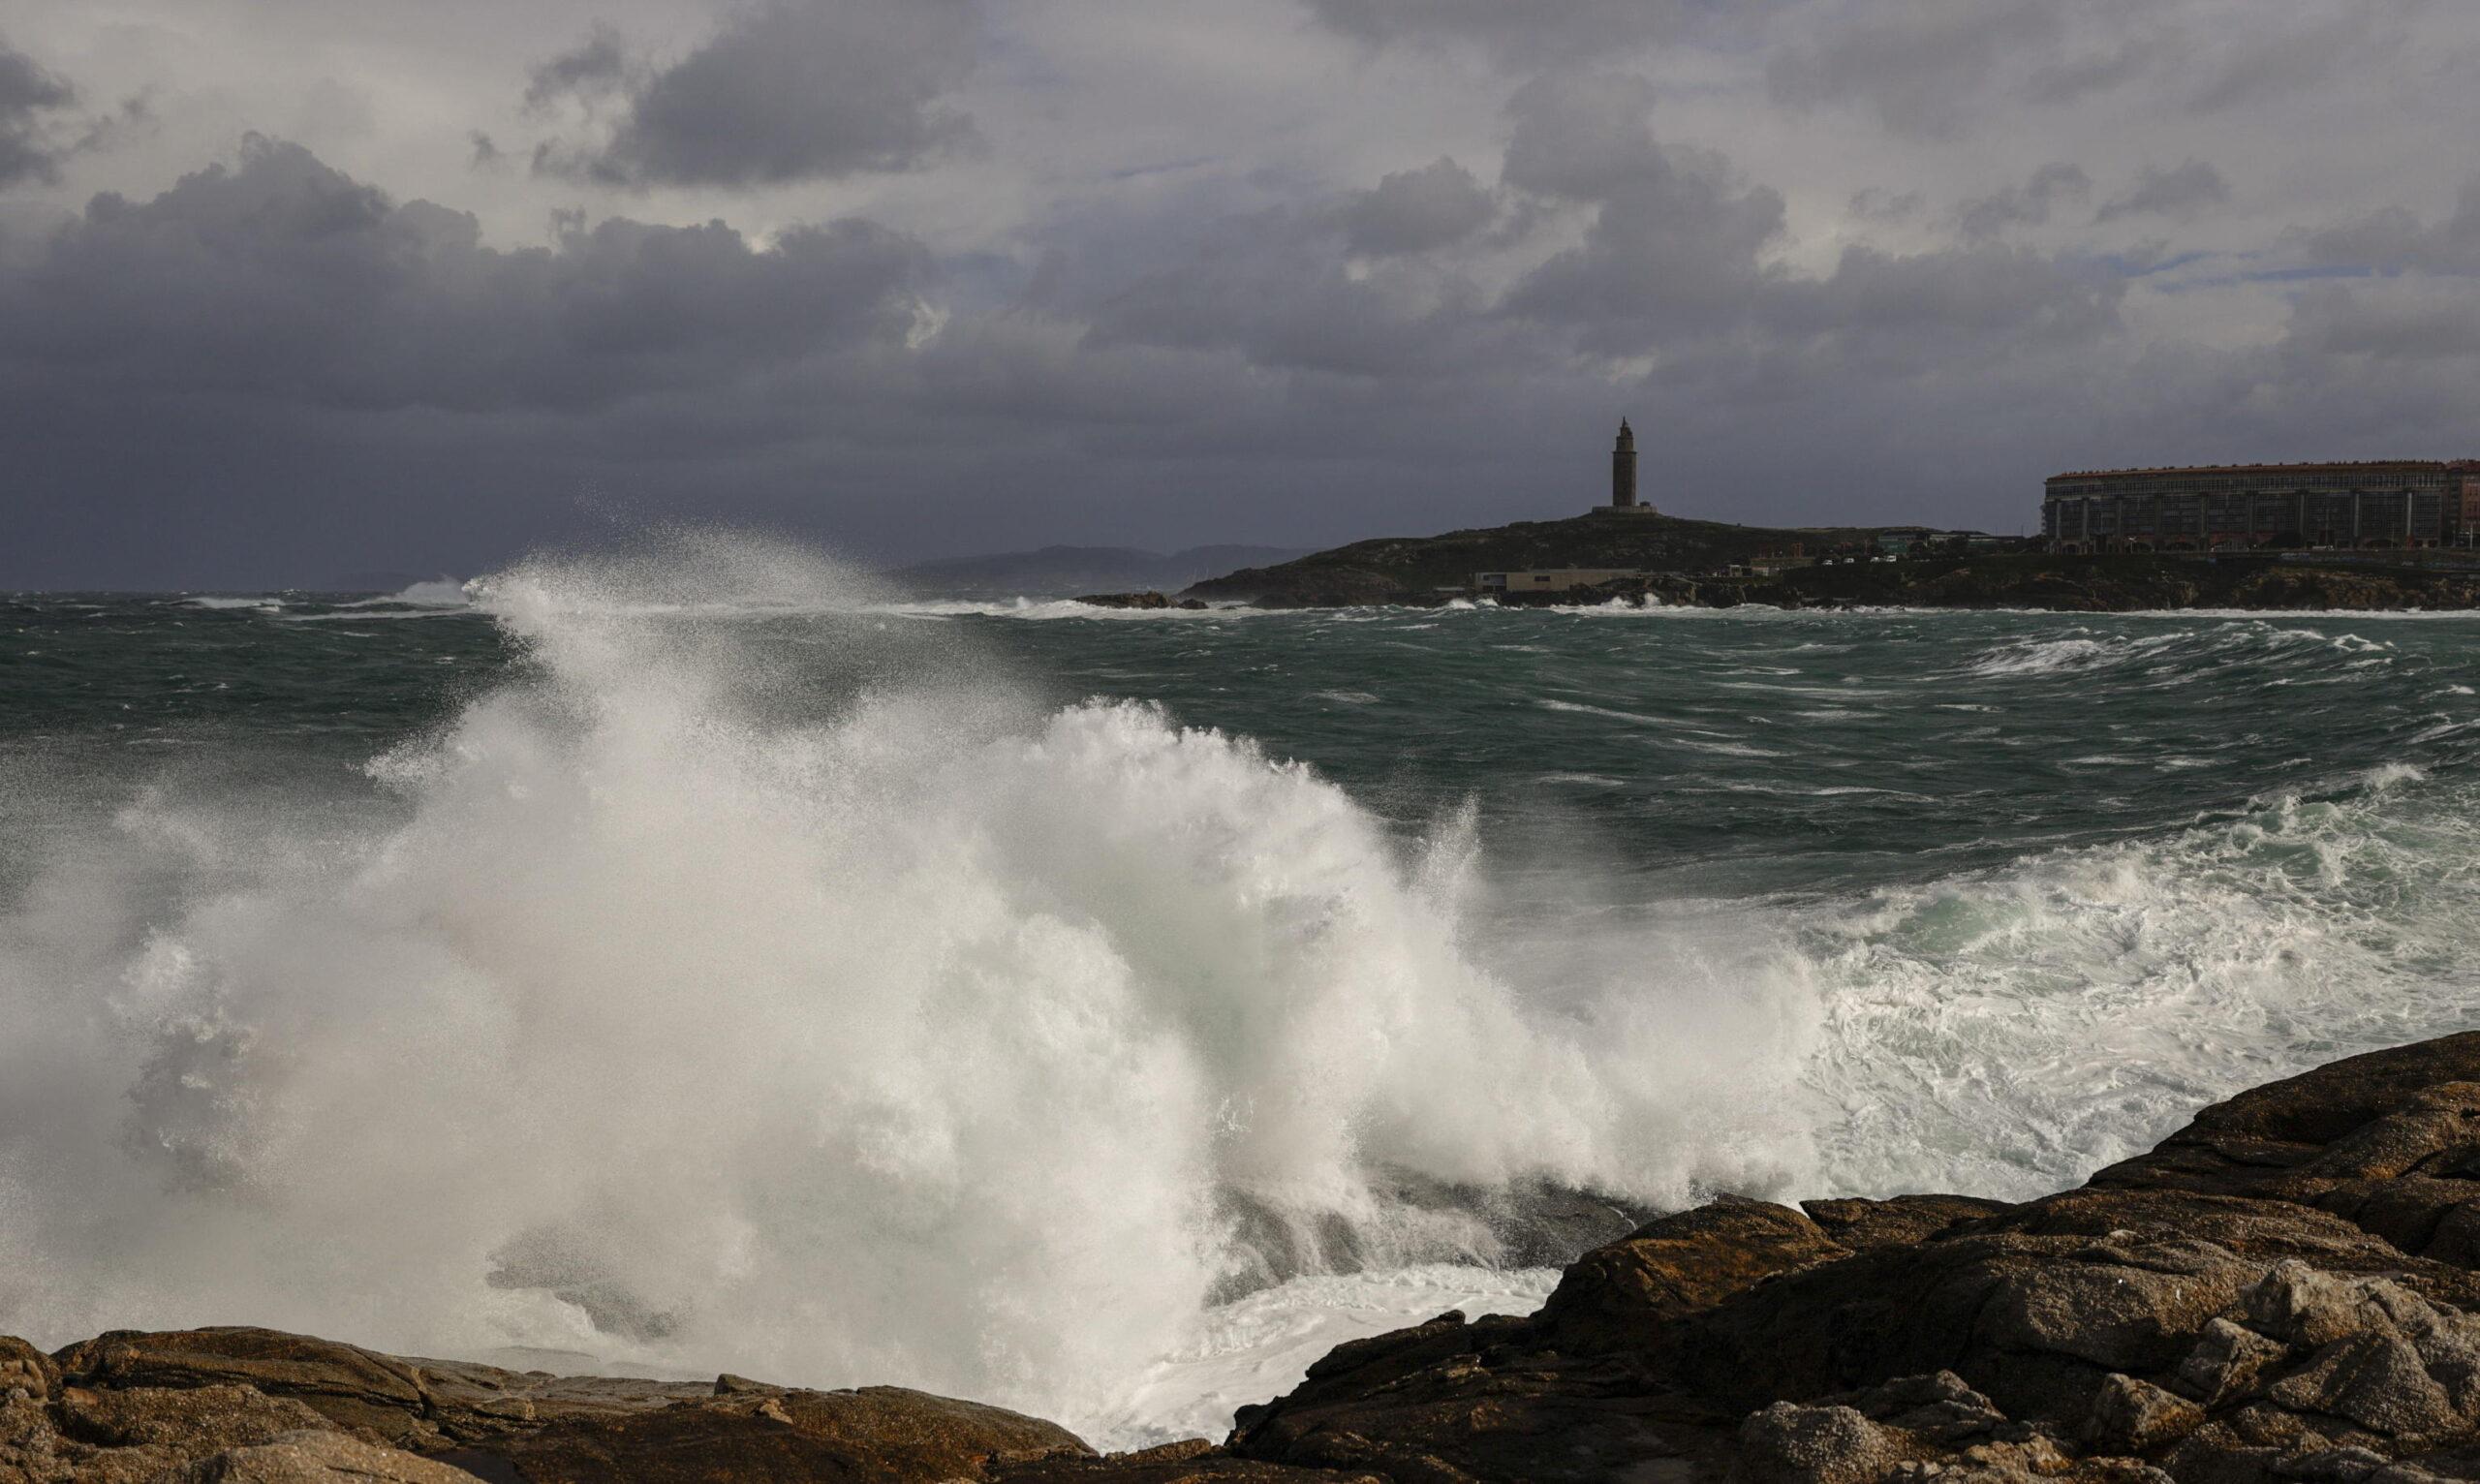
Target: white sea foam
x,y
1258,1347
926,1042
665,1011
437,593
2007,1032
1055,608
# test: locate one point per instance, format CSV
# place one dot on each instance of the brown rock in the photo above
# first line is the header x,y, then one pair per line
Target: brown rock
x,y
879,1434
1620,1294
1898,1220
2285,1289
1788,1444
319,1457
348,1386
23,1368
195,1420
2133,1417
1194,1461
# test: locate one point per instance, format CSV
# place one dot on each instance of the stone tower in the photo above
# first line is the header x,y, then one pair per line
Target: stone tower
x,y
1623,469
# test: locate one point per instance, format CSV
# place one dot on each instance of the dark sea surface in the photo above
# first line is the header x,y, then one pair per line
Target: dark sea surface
x,y
1742,752
1658,902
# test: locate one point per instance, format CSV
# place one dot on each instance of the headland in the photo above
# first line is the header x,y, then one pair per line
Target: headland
x,y
1596,559
2365,536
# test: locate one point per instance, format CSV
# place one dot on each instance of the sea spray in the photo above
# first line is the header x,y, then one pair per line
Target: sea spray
x,y
2007,1032
748,981
711,962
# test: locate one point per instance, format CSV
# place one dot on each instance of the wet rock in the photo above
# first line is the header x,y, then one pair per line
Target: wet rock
x,y
1128,601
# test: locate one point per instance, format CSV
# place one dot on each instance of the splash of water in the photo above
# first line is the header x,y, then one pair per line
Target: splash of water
x,y
730,990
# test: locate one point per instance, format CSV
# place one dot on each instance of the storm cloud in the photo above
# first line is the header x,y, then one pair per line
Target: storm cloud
x,y
30,98
279,277
925,276
1415,211
792,90
2179,192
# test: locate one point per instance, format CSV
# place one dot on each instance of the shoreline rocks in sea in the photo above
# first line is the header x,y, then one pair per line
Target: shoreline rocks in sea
x,y
1148,600
2286,1290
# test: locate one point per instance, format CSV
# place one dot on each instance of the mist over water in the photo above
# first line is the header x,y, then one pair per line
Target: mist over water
x,y
705,960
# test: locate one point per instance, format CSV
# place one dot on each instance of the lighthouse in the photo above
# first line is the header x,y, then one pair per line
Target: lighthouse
x,y
1623,476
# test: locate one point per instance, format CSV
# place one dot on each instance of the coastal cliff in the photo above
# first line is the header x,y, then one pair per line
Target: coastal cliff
x,y
2286,1289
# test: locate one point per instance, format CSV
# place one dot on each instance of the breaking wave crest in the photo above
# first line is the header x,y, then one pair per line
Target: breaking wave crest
x,y
757,978
673,1006
2006,1033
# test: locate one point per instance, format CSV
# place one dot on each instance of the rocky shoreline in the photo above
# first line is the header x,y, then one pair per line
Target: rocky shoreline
x,y
2288,1290
1689,564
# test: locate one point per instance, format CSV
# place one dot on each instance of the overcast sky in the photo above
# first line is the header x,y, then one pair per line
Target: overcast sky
x,y
296,288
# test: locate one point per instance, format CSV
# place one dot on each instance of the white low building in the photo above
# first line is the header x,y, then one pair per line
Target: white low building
x,y
1557,579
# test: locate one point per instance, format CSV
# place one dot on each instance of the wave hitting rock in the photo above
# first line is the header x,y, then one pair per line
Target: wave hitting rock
x,y
2286,1290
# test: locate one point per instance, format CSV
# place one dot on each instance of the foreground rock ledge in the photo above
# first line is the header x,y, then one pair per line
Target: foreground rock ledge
x,y
2285,1290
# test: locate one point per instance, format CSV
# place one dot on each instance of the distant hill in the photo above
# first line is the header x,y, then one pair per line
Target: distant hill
x,y
1417,569
1064,572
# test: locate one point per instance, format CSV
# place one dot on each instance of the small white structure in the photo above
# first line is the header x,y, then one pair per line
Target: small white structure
x,y
1557,579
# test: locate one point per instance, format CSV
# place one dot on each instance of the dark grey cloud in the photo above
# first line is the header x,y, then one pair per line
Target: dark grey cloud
x,y
1676,234
1582,133
2270,63
2413,322
1272,290
791,90
325,374
2179,192
597,66
1544,30
2026,205
280,277
2394,238
1934,69
1417,211
1876,203
1907,314
1273,273
32,97
1925,69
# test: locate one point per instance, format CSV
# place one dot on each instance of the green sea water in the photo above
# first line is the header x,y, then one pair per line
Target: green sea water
x,y
992,946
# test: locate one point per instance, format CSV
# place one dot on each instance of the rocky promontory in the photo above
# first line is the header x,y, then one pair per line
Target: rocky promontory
x,y
1708,564
2288,1290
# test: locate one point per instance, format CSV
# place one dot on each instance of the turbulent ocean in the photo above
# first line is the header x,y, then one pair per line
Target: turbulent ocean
x,y
706,960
